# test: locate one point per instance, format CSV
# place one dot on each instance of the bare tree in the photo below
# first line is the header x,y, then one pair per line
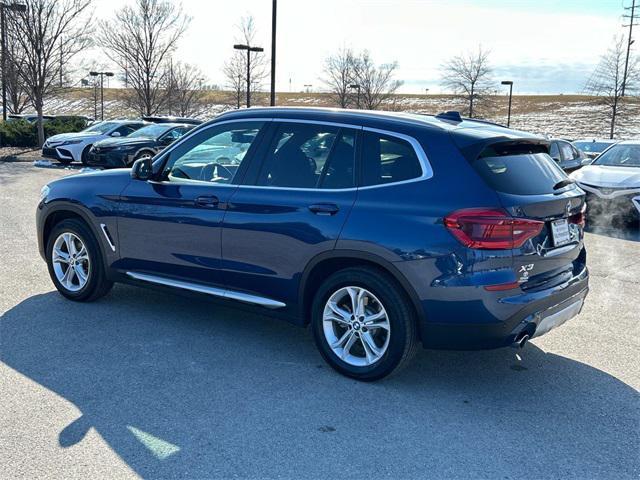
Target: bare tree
x,y
235,68
338,75
469,75
235,71
185,89
17,99
49,34
608,79
376,82
140,39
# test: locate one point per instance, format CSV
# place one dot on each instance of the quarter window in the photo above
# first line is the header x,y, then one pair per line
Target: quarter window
x,y
567,151
387,159
213,155
309,156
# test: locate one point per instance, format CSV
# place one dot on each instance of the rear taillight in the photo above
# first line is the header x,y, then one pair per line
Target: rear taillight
x,y
491,228
581,217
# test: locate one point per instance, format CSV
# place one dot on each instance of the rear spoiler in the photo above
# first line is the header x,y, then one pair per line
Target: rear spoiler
x,y
502,145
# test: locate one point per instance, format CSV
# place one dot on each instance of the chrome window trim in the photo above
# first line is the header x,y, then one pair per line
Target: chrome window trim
x,y
216,292
425,165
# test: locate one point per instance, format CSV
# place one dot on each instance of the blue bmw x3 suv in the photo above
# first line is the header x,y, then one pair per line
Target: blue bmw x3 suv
x,y
380,230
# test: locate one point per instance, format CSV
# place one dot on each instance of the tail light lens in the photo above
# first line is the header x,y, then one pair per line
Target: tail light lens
x,y
487,228
581,217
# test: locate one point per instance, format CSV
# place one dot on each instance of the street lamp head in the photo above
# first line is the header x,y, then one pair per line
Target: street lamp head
x,y
506,82
109,74
257,49
94,74
355,85
241,47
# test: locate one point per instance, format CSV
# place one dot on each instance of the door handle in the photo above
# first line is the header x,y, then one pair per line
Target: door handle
x,y
207,201
324,208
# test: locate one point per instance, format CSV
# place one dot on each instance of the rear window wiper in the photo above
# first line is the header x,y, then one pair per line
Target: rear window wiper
x,y
563,183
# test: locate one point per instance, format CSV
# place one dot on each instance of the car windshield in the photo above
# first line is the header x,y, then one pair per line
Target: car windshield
x,y
102,127
591,147
620,156
151,131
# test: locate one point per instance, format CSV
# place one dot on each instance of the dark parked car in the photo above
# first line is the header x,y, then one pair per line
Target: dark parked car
x,y
162,119
147,141
567,156
381,230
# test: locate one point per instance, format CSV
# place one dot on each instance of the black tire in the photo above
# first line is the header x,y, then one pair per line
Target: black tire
x,y
84,157
140,155
401,316
97,284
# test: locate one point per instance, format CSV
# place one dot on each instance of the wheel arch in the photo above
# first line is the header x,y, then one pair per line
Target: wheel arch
x,y
325,264
62,212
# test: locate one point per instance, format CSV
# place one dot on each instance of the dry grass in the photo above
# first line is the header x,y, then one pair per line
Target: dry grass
x,y
568,116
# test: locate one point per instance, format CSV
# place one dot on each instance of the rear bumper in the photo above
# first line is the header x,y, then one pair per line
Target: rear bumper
x,y
533,313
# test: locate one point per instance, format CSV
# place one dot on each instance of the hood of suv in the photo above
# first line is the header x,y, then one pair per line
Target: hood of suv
x,y
606,176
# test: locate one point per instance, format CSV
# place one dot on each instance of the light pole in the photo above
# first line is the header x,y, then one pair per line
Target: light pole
x,y
274,8
249,49
14,7
102,75
357,86
510,83
308,86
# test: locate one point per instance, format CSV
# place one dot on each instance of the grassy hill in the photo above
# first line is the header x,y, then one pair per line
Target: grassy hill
x,y
569,116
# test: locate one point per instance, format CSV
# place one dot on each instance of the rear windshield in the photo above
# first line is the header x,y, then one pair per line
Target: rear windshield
x,y
591,147
520,173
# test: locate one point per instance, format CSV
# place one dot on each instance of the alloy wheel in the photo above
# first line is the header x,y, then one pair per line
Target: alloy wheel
x,y
70,261
356,326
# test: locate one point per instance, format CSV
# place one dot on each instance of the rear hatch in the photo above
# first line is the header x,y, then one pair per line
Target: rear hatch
x,y
530,185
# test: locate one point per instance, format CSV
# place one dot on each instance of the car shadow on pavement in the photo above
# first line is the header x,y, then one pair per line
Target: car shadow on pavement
x,y
183,387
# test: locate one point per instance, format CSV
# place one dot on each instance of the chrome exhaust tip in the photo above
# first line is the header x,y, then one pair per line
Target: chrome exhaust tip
x,y
521,341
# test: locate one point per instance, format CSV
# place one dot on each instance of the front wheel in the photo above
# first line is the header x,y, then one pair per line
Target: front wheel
x,y
75,262
363,324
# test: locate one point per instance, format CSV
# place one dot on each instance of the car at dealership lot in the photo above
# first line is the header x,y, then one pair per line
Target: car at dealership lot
x,y
612,183
74,147
380,230
123,151
567,156
593,147
171,119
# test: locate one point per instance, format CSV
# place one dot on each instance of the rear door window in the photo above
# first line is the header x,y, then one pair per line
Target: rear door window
x,y
518,171
310,156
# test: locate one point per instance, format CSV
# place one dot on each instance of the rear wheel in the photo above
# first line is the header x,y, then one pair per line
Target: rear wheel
x,y
363,324
75,262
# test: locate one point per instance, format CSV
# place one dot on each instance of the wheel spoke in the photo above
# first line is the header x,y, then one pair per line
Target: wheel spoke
x,y
71,246
377,320
353,295
60,256
348,345
371,350
340,342
67,279
82,254
82,276
342,314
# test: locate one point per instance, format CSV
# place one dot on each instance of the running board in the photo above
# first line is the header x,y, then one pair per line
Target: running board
x,y
216,292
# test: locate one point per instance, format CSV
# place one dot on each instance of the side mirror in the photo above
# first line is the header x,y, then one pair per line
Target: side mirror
x,y
116,134
141,169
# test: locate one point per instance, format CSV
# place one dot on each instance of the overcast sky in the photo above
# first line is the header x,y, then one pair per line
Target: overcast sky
x,y
544,46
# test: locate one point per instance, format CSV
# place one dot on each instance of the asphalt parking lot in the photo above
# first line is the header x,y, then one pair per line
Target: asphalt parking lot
x,y
153,385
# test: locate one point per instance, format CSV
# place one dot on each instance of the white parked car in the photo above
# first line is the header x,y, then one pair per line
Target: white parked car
x,y
74,147
612,182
